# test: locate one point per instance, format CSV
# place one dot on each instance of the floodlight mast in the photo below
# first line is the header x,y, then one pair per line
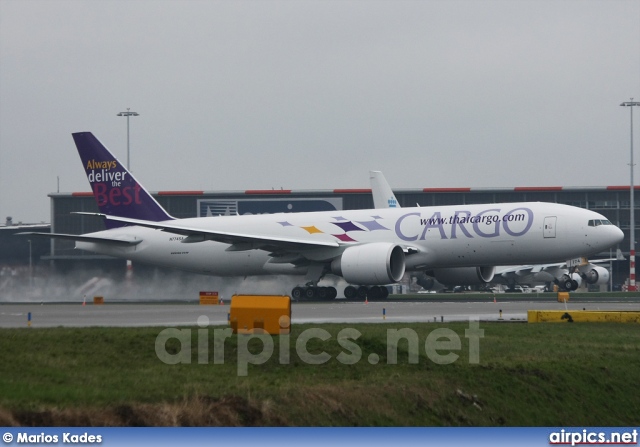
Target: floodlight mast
x,y
632,225
128,113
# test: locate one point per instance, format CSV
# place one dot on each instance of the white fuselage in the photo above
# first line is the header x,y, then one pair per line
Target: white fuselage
x,y
433,237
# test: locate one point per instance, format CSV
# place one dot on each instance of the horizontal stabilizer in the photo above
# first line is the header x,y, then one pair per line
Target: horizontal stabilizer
x,y
79,237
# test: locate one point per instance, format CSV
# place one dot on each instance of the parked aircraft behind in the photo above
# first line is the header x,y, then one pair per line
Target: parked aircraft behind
x,y
368,248
383,196
567,276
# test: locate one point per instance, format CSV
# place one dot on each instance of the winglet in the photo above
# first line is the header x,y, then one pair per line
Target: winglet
x,y
116,191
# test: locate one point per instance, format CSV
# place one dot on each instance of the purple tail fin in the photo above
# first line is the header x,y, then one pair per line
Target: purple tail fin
x,y
116,191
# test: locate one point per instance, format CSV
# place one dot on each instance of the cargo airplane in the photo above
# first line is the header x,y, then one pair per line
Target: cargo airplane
x,y
368,248
567,276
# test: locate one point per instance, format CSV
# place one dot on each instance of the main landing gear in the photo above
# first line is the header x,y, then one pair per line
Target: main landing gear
x,y
351,293
314,293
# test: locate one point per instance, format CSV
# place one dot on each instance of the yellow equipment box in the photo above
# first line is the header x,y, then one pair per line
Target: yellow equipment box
x,y
579,316
271,313
98,300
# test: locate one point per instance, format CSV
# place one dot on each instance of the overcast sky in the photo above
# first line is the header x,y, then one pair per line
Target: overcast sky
x,y
236,95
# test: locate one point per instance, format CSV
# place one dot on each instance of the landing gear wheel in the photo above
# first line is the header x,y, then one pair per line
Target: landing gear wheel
x,y
567,285
574,285
297,293
375,293
362,292
310,293
385,292
332,293
322,293
350,292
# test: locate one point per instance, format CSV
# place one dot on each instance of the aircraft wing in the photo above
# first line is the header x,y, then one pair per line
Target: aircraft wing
x,y
80,237
516,269
619,257
238,241
521,271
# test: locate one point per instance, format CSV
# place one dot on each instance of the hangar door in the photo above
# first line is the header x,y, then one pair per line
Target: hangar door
x,y
549,230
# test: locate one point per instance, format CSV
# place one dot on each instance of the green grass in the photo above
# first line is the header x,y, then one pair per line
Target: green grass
x,y
528,374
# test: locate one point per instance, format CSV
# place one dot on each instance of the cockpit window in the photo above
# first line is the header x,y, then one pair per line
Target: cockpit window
x,y
598,222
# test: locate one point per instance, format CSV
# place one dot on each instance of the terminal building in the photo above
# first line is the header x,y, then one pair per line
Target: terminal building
x,y
613,202
18,251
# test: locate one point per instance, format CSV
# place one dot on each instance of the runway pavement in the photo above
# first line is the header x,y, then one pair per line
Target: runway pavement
x,y
15,315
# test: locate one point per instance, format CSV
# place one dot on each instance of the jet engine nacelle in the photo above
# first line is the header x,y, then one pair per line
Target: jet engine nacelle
x,y
596,275
371,264
463,276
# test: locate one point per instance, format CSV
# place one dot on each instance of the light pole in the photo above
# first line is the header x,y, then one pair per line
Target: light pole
x,y
632,230
128,114
30,264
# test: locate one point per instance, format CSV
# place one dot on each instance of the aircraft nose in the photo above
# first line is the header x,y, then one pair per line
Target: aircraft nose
x,y
612,236
618,235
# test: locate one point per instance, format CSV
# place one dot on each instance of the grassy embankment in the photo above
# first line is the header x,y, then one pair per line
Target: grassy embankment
x,y
537,374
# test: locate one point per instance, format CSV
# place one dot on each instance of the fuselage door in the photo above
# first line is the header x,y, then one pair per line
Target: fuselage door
x,y
549,230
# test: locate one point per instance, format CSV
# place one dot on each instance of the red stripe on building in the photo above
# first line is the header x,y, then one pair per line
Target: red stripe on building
x,y
622,188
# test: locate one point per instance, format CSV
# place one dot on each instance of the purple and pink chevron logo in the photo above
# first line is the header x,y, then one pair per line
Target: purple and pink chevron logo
x,y
347,226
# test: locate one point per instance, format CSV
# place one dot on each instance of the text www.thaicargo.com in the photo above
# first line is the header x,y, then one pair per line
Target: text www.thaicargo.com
x,y
440,346
485,218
